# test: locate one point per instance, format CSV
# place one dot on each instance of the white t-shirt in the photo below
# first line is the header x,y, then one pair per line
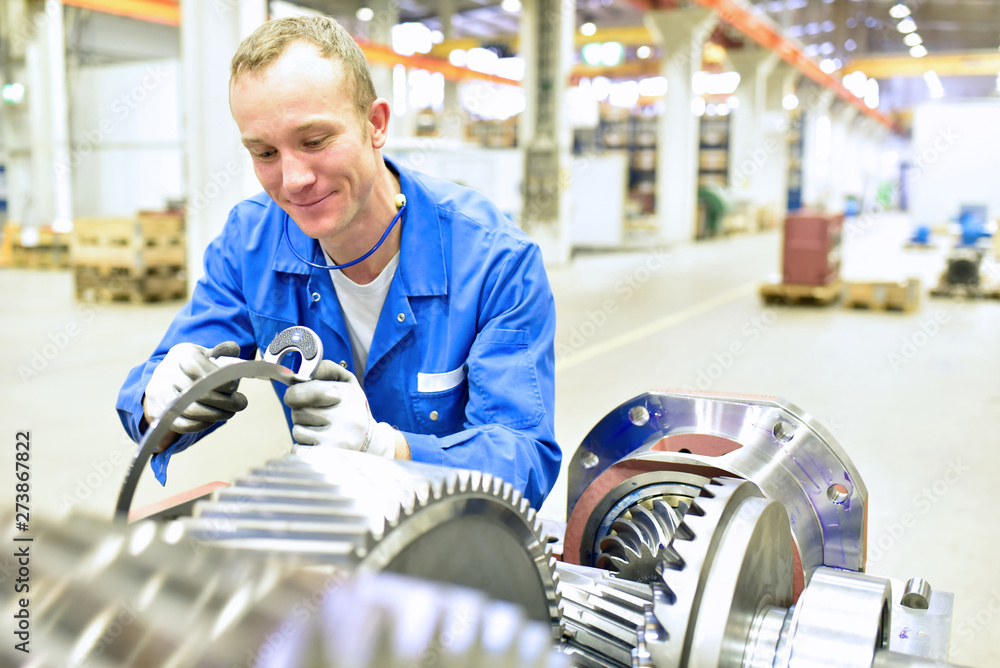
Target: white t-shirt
x,y
362,305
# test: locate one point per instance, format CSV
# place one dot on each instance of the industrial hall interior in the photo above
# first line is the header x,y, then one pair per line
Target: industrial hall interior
x,y
468,333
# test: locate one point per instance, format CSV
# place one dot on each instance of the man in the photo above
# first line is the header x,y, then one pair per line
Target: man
x,y
439,341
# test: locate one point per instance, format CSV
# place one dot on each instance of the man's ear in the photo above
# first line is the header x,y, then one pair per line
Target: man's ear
x,y
378,119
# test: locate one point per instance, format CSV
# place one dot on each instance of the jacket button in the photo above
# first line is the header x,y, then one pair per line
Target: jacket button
x,y
315,296
434,416
343,364
401,317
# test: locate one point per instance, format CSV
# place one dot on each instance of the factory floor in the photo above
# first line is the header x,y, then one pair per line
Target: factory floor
x,y
914,399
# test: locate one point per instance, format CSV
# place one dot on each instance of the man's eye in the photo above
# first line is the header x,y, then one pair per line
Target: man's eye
x,y
264,154
314,142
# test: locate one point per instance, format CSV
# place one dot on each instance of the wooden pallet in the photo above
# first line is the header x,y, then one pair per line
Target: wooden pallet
x,y
801,295
952,291
152,239
104,284
883,295
51,251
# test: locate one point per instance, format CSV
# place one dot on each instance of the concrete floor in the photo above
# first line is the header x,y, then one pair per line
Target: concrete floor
x,y
922,432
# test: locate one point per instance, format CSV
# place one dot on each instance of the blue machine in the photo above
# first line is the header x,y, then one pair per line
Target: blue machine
x,y
973,219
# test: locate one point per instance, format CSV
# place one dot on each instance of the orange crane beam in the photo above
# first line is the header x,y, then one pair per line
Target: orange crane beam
x,y
769,37
167,12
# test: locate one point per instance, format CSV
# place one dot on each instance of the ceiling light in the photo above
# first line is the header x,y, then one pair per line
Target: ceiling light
x,y
912,39
899,11
12,93
365,14
934,85
906,25
827,66
511,6
698,106
459,57
850,45
918,51
790,102
588,29
643,52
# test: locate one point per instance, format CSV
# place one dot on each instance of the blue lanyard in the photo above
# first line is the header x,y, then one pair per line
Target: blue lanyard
x,y
401,204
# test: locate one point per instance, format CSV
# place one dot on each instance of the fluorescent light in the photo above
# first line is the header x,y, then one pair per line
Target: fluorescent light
x,y
624,94
733,102
722,83
899,11
588,29
790,102
643,52
850,45
591,53
918,51
611,53
871,94
459,57
698,106
13,93
934,85
511,6
827,65
913,39
365,14
906,25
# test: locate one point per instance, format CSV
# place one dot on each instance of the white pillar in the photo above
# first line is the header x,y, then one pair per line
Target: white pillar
x,y
218,169
379,31
452,117
750,146
547,28
817,147
16,120
681,33
48,201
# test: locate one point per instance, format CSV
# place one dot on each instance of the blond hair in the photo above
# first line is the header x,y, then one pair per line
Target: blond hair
x,y
259,51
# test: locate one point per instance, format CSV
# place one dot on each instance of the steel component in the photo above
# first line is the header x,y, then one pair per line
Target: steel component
x,y
367,514
917,594
640,540
737,559
300,339
602,614
769,441
160,428
110,596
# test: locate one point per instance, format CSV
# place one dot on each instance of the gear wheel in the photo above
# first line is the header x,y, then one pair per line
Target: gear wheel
x,y
602,614
641,539
698,598
116,596
361,513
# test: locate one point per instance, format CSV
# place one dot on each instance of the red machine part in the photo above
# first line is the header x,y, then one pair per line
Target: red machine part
x,y
698,444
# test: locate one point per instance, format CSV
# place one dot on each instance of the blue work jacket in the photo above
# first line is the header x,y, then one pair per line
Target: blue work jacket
x,y
462,361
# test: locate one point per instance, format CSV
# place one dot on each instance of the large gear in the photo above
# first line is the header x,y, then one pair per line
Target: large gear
x,y
640,540
366,514
115,597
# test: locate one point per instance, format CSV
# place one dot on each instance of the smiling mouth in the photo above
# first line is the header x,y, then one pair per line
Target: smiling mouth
x,y
308,204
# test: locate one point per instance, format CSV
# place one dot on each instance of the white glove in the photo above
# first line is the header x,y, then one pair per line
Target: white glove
x,y
184,364
331,409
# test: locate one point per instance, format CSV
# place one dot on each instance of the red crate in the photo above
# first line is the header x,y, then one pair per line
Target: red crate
x,y
811,249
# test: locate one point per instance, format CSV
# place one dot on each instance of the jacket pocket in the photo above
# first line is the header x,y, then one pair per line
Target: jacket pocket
x,y
443,412
502,370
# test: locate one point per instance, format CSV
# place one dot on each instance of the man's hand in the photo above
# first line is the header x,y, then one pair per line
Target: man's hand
x,y
184,364
331,409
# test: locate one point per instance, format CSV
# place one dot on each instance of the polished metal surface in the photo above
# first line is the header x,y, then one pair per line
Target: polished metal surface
x,y
778,446
370,514
602,614
841,616
111,596
916,594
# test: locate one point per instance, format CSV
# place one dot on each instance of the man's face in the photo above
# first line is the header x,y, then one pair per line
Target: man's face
x,y
311,152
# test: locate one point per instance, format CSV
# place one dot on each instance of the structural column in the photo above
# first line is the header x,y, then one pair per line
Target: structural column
x,y
546,34
452,118
750,145
817,147
40,192
681,33
219,172
772,186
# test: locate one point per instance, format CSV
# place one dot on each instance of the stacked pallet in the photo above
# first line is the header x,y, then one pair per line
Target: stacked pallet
x,y
51,250
901,295
138,259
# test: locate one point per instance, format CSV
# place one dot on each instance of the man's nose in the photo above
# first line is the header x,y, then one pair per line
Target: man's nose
x,y
296,173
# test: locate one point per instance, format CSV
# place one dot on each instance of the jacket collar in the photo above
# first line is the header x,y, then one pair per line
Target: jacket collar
x,y
421,254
